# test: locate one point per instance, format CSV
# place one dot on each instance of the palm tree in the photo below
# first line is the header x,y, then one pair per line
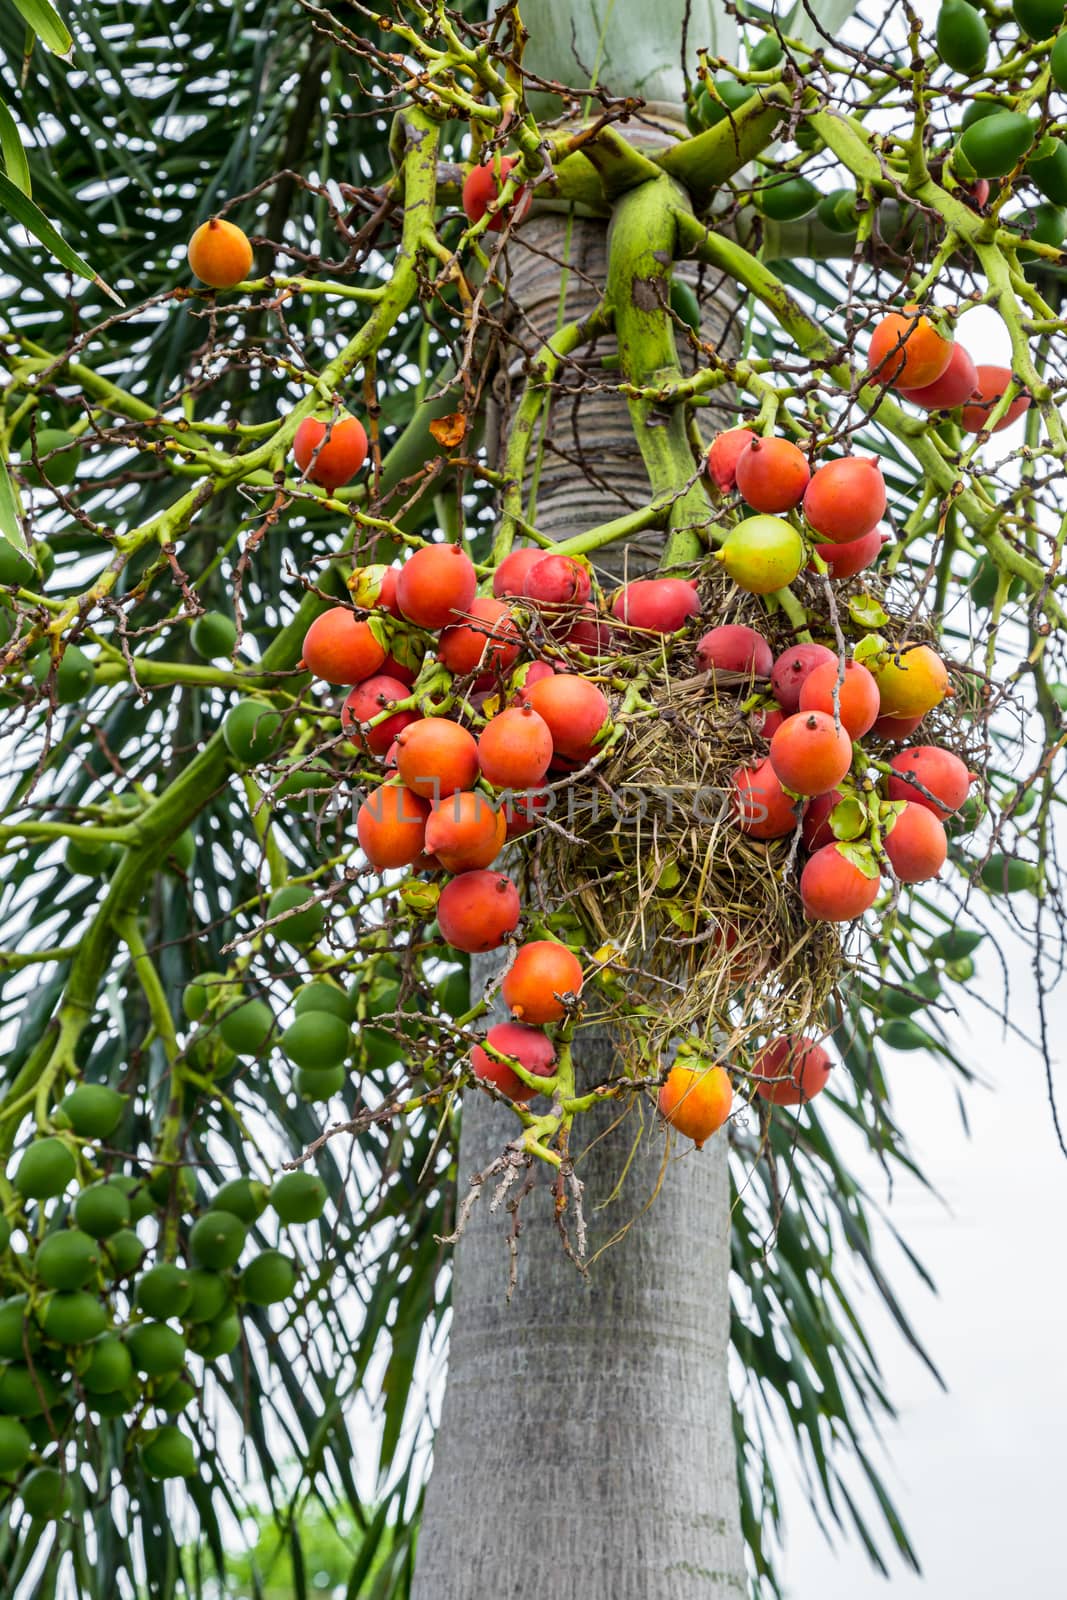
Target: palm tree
x,y
597,1404
589,1419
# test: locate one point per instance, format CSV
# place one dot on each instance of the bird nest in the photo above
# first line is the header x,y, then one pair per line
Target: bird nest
x,y
699,927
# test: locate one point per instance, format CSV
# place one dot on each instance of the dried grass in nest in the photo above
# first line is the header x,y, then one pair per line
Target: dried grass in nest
x,y
707,923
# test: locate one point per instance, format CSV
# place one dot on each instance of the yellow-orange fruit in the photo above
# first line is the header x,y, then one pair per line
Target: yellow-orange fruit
x,y
465,831
542,974
696,1101
391,826
339,648
220,254
912,680
436,757
907,351
810,754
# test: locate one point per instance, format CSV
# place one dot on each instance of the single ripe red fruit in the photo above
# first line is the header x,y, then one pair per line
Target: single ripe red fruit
x,y
391,826
815,829
339,648
733,648
510,576
845,499
486,640
792,670
386,600
858,697
482,186
916,844
341,447
656,605
478,910
436,586
392,668
522,812
515,748
762,807
465,831
834,888
367,701
435,757
791,1071
943,775
845,560
723,453
954,388
588,634
557,581
990,386
574,709
530,1047
810,754
543,975
772,474
765,720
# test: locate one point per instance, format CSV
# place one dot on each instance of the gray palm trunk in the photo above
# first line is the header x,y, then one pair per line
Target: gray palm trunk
x,y
586,1445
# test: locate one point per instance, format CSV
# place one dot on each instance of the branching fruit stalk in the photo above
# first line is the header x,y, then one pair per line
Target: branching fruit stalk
x,y
642,246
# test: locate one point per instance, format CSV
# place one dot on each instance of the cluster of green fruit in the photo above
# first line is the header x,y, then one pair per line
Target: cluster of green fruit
x,y
320,1042
993,137
712,99
87,1327
963,35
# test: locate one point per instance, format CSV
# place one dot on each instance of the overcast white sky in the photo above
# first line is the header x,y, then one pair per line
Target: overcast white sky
x,y
978,1473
